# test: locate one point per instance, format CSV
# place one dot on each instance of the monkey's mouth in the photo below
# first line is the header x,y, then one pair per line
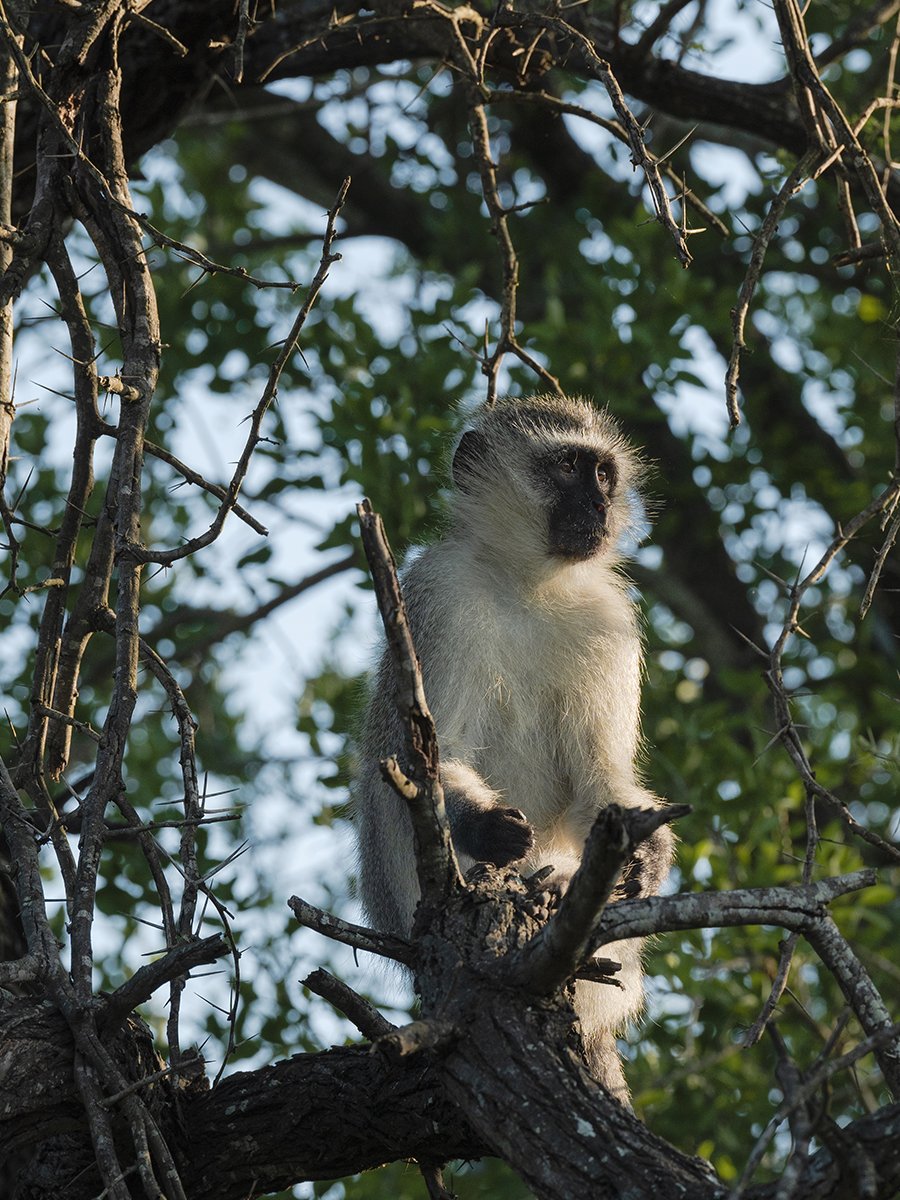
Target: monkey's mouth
x,y
578,540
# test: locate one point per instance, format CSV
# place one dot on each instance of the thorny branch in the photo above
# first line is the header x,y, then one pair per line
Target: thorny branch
x,y
9,77
788,733
97,192
833,145
133,294
794,182
469,40
804,1089
507,342
176,964
543,99
270,392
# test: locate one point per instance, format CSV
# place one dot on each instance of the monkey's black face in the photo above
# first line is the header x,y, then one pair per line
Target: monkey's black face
x,y
581,485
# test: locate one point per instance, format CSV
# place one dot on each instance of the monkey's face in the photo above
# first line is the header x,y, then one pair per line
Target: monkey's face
x,y
543,482
580,485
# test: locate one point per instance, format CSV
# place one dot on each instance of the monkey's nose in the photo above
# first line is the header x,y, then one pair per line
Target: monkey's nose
x,y
600,507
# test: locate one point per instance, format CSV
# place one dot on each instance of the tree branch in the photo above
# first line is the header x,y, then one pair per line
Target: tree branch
x,y
314,1117
367,1019
562,946
357,936
436,864
174,964
288,347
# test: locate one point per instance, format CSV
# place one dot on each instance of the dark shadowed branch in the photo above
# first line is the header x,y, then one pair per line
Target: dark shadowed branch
x,y
351,935
367,1019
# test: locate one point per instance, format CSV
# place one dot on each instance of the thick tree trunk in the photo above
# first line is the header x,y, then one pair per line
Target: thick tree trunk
x,y
43,1131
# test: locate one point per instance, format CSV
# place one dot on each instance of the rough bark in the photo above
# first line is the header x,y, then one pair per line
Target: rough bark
x,y
43,1130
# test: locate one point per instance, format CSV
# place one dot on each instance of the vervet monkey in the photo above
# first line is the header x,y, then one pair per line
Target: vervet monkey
x,y
531,660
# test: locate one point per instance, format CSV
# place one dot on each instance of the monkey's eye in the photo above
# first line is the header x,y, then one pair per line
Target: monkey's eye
x,y
567,464
602,475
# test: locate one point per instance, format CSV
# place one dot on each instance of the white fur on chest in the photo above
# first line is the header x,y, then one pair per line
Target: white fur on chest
x,y
543,695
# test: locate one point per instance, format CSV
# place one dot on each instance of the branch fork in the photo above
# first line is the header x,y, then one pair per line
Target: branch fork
x,y
563,947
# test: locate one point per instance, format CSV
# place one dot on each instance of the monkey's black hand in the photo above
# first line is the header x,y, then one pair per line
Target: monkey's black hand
x,y
498,835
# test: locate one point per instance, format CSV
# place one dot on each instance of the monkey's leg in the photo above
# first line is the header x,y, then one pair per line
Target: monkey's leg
x,y
605,1064
647,869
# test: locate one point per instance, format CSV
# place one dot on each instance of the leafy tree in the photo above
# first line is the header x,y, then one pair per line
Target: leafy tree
x,y
541,196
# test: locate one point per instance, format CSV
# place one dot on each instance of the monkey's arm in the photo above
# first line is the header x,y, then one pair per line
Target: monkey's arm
x,y
482,827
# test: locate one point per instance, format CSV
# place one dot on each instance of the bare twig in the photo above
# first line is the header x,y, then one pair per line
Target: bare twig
x,y
175,963
288,346
507,342
835,130
861,995
135,301
161,32
240,38
148,844
807,1087
774,676
192,476
790,907
875,575
544,99
385,944
761,242
102,1134
757,1029
429,1034
641,158
9,77
218,624
367,1019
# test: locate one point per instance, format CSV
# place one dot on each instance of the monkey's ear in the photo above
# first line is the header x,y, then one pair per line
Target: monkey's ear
x,y
468,454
